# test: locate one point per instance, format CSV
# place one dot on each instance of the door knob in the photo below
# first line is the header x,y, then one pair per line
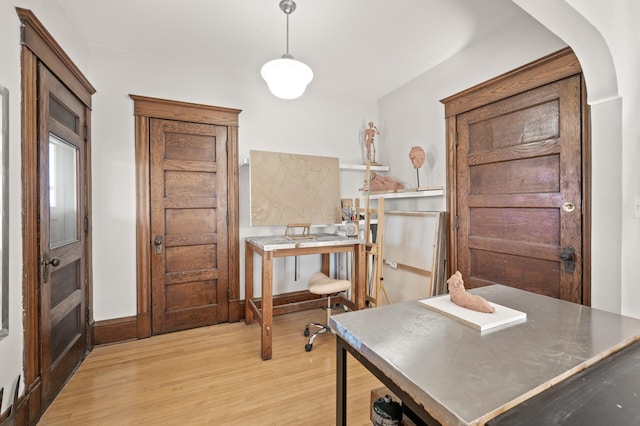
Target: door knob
x,y
158,243
55,262
568,257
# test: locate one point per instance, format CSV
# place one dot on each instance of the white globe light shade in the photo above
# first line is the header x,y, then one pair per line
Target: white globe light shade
x,y
287,78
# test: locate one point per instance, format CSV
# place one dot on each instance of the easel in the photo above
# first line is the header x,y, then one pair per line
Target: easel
x,y
374,244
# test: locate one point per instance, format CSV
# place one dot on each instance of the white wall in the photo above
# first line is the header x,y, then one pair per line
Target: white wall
x,y
413,114
11,346
621,32
617,23
316,124
319,124
605,39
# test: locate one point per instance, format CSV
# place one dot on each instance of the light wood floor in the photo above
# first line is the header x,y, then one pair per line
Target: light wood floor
x,y
214,375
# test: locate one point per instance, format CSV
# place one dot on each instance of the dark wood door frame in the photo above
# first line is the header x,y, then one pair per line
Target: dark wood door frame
x,y
38,46
548,69
145,109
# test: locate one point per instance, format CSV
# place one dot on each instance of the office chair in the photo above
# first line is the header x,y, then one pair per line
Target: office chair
x,y
319,283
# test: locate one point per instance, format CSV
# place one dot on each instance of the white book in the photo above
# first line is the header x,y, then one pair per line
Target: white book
x,y
479,320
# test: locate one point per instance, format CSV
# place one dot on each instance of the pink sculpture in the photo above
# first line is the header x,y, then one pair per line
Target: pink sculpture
x,y
460,297
417,157
384,183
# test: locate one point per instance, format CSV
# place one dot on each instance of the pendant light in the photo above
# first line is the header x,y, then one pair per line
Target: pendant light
x,y
286,77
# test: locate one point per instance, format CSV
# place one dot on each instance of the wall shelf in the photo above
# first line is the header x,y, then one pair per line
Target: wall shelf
x,y
427,192
363,167
361,222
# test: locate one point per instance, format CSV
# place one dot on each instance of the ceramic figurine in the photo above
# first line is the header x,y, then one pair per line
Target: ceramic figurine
x,y
460,297
384,183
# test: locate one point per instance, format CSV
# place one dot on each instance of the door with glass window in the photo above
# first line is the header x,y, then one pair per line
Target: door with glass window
x,y
62,233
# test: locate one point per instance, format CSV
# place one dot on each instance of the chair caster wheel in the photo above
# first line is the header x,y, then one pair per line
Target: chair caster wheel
x,y
308,347
306,332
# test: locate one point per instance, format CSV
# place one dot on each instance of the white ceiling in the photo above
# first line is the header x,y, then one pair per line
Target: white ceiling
x,y
357,47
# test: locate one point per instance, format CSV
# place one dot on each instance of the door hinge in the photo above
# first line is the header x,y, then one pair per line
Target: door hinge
x,y
455,139
228,294
457,222
226,147
87,315
85,131
86,224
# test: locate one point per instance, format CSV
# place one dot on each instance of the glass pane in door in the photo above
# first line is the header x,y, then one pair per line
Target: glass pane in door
x,y
63,195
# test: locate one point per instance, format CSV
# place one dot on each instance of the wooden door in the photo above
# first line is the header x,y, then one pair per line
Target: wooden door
x,y
189,235
62,216
519,191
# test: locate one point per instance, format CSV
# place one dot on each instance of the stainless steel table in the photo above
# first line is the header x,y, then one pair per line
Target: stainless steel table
x,y
450,373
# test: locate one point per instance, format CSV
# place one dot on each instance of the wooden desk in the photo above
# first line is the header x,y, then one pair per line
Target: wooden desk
x,y
269,248
449,373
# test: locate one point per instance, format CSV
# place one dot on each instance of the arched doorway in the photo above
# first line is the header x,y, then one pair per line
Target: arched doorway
x,y
598,67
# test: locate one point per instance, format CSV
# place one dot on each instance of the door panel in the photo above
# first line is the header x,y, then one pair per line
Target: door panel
x,y
519,161
62,237
188,225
